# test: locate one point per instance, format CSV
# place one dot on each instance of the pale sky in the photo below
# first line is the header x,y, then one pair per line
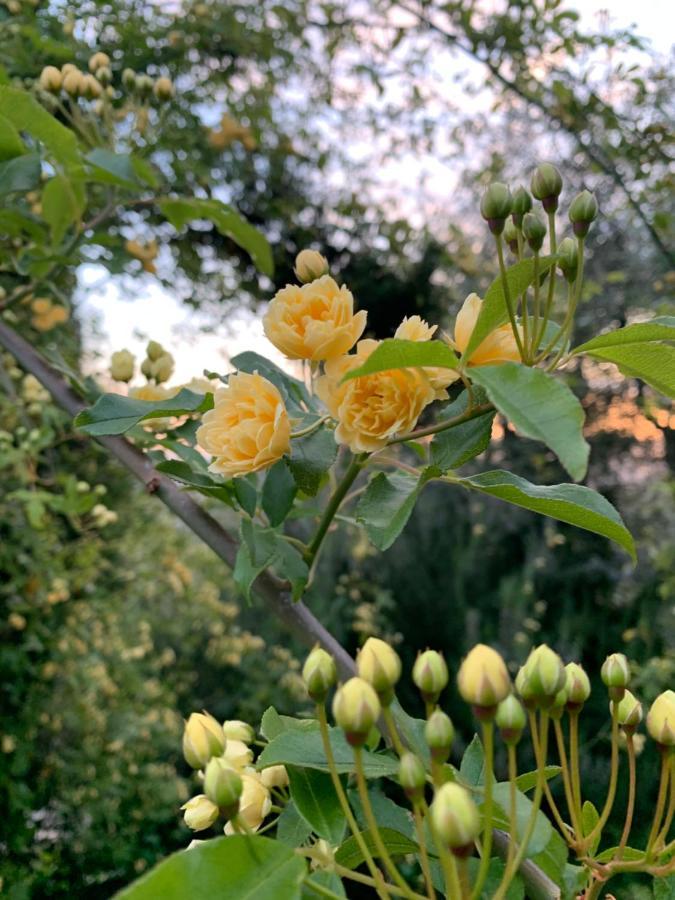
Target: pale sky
x,y
111,322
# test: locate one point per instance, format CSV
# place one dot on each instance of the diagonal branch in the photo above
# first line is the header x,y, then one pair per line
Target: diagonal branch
x,y
295,616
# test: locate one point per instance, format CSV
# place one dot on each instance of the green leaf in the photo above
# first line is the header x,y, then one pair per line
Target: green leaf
x,y
493,312
27,115
62,206
246,493
541,407
20,174
278,493
305,748
472,767
237,867
11,144
144,171
543,830
528,780
316,801
115,414
628,853
553,858
262,548
112,168
311,457
393,353
387,813
653,363
272,724
495,874
661,328
349,855
294,392
180,471
571,503
326,879
589,819
181,210
387,504
289,564
452,448
292,829
664,888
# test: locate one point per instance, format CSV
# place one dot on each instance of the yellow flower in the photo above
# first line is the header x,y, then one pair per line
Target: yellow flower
x,y
151,392
374,408
315,321
45,315
237,754
274,776
661,719
414,328
498,347
248,428
200,812
254,804
146,253
483,679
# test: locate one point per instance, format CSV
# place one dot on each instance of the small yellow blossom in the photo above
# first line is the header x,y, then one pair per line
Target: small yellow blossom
x,y
414,328
200,813
483,679
315,321
255,803
498,347
146,253
248,429
274,776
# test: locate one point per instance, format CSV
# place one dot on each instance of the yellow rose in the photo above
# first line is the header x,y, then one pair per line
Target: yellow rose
x,y
498,347
153,393
315,321
274,776
374,408
248,429
237,754
200,813
255,803
414,328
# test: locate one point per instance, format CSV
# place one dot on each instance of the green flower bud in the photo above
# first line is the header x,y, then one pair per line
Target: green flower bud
x,y
583,209
356,708
379,665
236,730
98,61
412,777
523,688
495,206
557,707
577,685
51,79
439,734
319,674
310,265
163,89
200,812
154,350
483,680
162,368
545,674
430,674
534,230
144,85
122,364
569,259
455,818
511,719
522,203
629,713
615,674
104,76
546,185
223,785
511,236
202,738
661,719
129,79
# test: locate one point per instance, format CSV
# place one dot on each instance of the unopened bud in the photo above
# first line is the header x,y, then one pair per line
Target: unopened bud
x,y
583,209
98,61
104,76
558,705
483,680
629,712
661,719
615,674
430,674
236,730
122,365
511,720
495,206
144,85
200,813
154,350
455,818
51,79
534,230
356,708
546,185
310,265
522,203
72,82
163,88
577,685
412,777
129,79
319,674
439,733
223,785
162,368
379,665
569,259
511,236
90,87
545,674
202,738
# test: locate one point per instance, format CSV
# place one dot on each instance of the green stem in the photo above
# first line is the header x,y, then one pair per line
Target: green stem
x,y
660,801
321,890
575,771
383,853
444,424
630,808
393,730
537,307
613,779
488,730
507,295
511,869
513,799
464,883
310,428
668,821
453,890
364,879
568,322
344,803
424,856
567,784
333,505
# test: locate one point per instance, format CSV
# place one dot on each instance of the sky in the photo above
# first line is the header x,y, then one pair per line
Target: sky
x,y
111,322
